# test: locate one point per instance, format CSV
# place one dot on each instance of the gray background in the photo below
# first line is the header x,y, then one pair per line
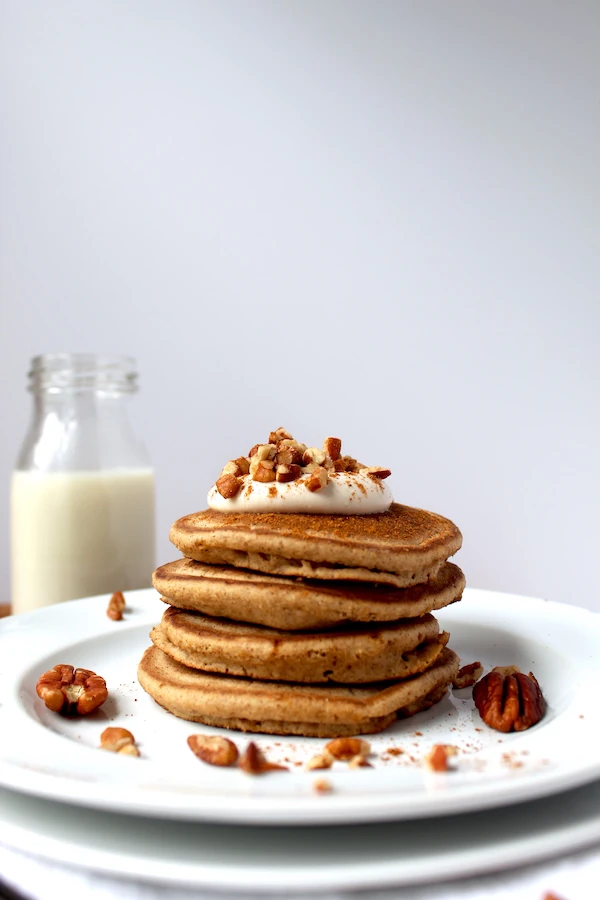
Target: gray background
x,y
377,220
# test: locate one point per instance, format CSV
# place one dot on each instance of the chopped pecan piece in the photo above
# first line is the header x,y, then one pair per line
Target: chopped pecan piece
x,y
506,670
377,471
243,464
322,786
346,464
228,486
71,691
264,471
359,762
332,447
318,479
237,467
263,452
437,759
320,761
347,747
254,762
213,749
288,456
509,702
116,607
467,676
119,740
287,473
280,435
313,455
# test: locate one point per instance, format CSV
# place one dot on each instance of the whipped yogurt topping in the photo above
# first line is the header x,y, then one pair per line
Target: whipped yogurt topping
x,y
346,493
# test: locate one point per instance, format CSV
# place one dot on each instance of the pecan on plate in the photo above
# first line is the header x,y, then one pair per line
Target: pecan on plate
x,y
116,606
346,748
468,676
254,762
509,702
71,691
213,749
119,740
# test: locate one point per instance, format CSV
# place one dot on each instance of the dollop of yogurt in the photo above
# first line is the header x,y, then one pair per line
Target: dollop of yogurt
x,y
346,493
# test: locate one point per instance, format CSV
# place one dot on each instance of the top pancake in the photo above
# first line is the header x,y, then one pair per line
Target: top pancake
x,y
402,546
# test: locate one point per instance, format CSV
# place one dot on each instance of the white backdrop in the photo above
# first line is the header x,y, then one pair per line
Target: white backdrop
x,y
377,220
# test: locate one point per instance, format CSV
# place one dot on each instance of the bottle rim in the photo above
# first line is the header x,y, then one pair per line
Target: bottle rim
x,y
83,371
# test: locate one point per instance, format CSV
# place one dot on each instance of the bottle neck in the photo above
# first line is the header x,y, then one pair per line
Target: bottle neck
x,y
56,373
81,416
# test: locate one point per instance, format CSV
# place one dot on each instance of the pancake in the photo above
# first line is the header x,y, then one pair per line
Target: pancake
x,y
292,604
287,708
403,546
351,655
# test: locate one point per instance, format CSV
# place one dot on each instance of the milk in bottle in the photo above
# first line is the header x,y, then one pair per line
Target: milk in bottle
x,y
82,499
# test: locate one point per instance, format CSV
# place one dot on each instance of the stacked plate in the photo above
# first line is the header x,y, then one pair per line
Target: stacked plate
x,y
396,823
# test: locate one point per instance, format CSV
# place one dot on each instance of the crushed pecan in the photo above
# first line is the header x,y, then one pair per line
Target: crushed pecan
x,y
71,691
317,479
116,607
265,471
506,670
283,459
359,762
322,786
332,447
119,740
347,747
213,749
285,473
437,759
467,676
254,762
511,702
320,761
280,434
377,471
228,485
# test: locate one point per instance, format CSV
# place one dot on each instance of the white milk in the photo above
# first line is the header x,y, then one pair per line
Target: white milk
x,y
75,534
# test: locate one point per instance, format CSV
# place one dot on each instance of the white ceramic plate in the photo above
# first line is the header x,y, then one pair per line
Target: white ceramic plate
x,y
50,756
316,859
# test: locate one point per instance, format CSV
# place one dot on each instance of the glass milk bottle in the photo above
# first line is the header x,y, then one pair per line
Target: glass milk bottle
x,y
82,499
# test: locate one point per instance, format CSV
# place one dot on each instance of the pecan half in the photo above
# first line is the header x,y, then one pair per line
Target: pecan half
x,y
467,676
213,749
509,702
254,762
71,691
116,607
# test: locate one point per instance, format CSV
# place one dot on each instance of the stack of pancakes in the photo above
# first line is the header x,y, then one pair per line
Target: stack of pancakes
x,y
304,624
